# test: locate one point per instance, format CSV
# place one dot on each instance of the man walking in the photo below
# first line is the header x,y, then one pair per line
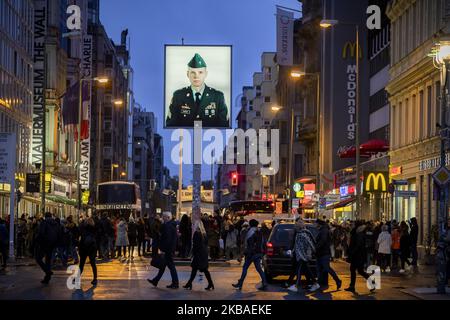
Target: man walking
x,y
323,255
254,252
167,247
47,239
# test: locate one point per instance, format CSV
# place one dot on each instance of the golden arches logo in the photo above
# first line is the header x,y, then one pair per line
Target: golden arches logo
x,y
352,46
376,178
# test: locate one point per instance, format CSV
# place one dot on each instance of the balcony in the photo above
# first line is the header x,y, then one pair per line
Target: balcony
x,y
307,130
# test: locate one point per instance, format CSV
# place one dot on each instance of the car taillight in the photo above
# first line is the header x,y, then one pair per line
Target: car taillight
x,y
269,249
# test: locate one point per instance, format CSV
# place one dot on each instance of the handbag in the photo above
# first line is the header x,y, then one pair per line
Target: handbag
x,y
158,261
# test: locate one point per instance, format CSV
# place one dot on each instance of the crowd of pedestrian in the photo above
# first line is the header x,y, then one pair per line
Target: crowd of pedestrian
x,y
390,245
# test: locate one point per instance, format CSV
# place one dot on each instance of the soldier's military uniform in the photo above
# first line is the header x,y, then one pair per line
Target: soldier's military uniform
x,y
211,109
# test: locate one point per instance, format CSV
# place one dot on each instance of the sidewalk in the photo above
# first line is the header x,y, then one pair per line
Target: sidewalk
x,y
427,293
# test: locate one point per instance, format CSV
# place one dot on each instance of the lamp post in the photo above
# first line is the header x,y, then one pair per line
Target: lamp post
x,y
291,144
116,102
296,74
331,23
101,80
442,61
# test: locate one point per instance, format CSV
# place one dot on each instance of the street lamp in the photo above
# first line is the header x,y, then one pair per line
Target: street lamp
x,y
295,74
331,23
112,170
441,60
116,102
101,80
291,146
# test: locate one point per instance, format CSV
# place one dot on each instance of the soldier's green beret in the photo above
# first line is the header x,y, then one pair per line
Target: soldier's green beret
x,y
197,62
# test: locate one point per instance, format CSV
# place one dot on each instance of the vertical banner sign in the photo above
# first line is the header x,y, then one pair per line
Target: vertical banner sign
x,y
7,175
285,37
86,71
40,32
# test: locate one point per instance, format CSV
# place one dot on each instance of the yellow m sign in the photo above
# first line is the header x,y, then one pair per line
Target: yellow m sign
x,y
352,47
376,186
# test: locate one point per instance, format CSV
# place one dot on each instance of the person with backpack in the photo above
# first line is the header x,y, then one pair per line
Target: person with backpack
x,y
254,251
304,249
46,242
88,246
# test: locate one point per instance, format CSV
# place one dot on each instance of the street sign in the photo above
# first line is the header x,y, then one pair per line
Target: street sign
x,y
400,182
406,194
297,187
295,203
442,176
333,197
33,183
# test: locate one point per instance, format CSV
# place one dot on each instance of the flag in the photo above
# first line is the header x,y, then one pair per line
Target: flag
x,y
69,109
285,37
86,98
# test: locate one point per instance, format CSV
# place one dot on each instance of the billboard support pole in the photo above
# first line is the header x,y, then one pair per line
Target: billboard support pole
x,y
197,177
180,177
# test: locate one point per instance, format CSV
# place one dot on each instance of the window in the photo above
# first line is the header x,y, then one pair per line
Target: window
x,y
267,73
430,127
258,114
266,99
137,165
437,102
421,116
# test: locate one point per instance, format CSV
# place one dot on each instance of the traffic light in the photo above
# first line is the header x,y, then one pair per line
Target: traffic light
x,y
234,179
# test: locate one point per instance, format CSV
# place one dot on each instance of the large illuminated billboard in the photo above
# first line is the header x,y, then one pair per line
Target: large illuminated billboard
x,y
197,86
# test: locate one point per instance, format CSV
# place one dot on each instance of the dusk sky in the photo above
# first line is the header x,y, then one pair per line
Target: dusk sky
x,y
248,25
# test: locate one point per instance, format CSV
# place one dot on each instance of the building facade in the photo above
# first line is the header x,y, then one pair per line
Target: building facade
x,y
414,91
16,85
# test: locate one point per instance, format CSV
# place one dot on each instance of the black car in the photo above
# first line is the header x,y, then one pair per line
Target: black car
x,y
277,261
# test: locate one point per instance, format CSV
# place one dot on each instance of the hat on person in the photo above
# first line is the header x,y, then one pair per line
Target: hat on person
x,y
197,62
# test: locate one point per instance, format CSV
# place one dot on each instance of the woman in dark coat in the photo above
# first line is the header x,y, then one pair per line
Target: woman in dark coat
x,y
405,245
186,235
200,256
141,236
132,237
88,246
357,254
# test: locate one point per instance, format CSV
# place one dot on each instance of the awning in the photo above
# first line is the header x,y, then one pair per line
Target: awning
x,y
375,146
341,204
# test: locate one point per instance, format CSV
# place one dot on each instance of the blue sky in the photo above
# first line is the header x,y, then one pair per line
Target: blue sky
x,y
247,25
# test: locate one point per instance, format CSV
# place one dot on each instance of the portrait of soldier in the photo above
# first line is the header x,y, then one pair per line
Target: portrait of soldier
x,y
198,102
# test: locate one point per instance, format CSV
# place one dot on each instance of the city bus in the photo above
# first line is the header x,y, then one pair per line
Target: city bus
x,y
260,210
119,198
